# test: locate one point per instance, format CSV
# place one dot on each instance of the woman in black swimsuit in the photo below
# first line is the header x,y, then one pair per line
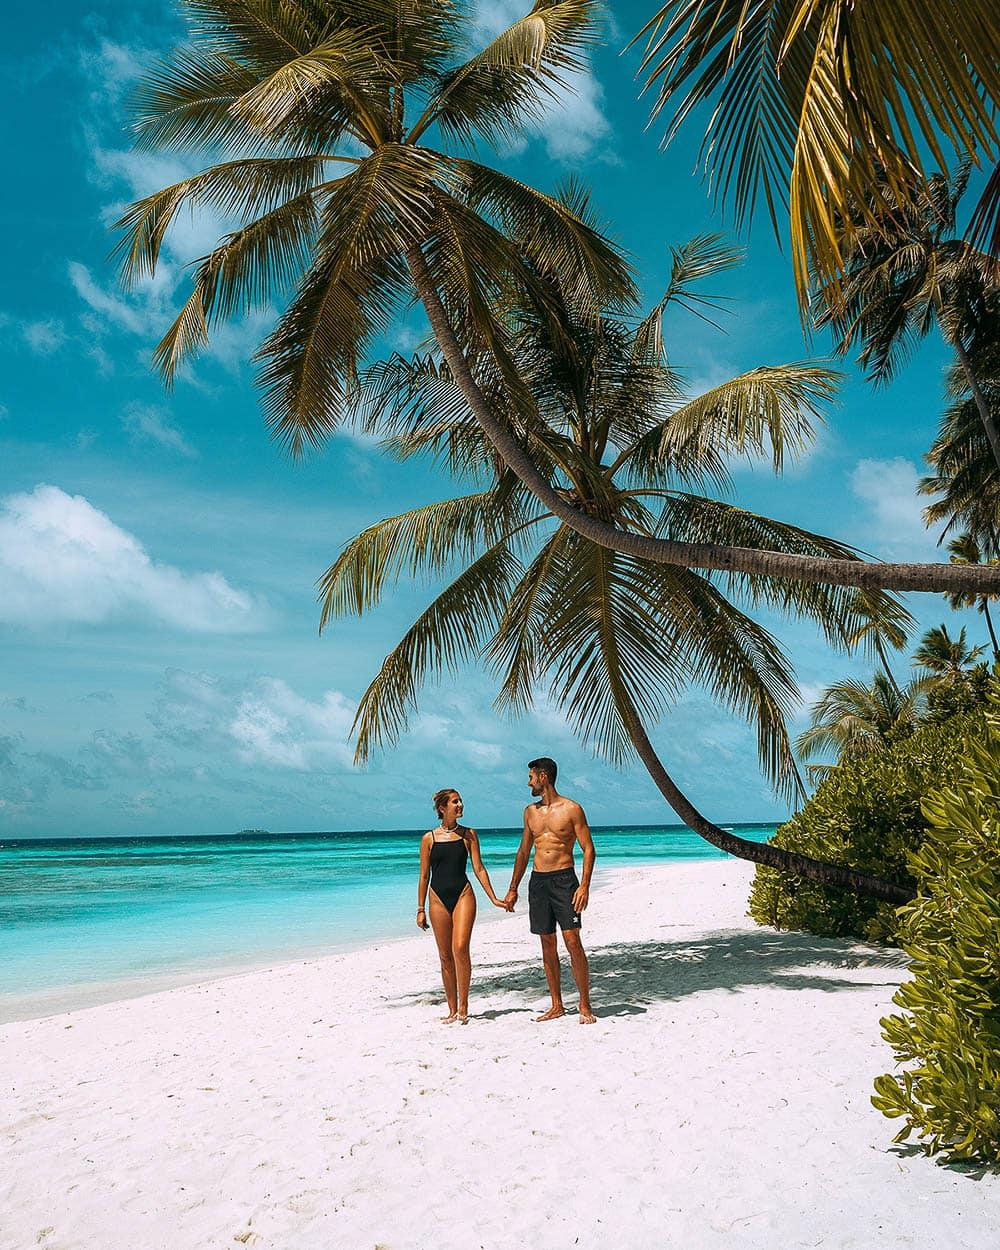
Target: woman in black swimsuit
x,y
444,854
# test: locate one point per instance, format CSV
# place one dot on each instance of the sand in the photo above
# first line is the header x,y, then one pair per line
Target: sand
x,y
721,1100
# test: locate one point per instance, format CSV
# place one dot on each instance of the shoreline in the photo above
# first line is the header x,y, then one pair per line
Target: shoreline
x,y
20,1007
721,1100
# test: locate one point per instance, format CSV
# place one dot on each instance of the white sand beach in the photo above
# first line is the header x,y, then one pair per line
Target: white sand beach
x,y
721,1100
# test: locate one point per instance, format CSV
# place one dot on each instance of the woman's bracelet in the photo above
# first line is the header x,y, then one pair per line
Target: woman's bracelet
x,y
420,909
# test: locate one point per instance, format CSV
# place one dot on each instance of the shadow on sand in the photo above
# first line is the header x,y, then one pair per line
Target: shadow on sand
x,y
627,977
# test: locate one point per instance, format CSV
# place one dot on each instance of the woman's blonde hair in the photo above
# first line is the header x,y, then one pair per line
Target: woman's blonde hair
x,y
440,797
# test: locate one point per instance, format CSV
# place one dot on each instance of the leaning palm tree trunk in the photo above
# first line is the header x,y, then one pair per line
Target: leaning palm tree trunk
x,y
759,853
937,578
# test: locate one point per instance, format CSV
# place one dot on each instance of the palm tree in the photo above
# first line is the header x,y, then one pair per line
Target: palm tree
x,y
879,629
815,101
612,637
852,720
944,657
966,550
964,474
903,271
323,112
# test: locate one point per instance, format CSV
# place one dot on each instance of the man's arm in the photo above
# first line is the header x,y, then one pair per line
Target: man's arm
x,y
520,862
582,830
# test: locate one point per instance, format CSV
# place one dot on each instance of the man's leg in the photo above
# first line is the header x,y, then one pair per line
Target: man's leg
x,y
550,960
581,972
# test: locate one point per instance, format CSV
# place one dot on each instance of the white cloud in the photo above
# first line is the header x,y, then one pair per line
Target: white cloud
x,y
44,337
894,527
264,723
451,735
62,560
273,725
153,425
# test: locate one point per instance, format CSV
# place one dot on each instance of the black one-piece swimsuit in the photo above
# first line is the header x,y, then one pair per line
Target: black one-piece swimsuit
x,y
448,862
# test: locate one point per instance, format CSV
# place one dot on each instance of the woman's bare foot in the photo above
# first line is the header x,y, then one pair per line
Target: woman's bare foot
x,y
587,1016
553,1013
463,1017
450,1019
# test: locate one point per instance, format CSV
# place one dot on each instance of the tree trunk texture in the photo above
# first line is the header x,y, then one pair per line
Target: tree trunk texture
x,y
935,578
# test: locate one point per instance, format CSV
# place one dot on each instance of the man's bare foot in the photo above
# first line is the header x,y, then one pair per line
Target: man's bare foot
x,y
587,1016
553,1013
463,1017
450,1019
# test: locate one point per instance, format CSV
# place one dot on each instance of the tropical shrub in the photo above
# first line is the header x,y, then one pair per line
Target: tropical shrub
x,y
949,698
948,1035
867,815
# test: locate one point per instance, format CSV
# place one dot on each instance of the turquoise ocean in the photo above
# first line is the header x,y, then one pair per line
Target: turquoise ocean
x,y
88,920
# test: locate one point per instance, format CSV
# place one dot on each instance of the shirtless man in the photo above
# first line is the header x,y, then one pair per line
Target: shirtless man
x,y
553,826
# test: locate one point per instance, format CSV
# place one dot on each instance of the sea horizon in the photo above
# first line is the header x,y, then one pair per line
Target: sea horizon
x,y
124,838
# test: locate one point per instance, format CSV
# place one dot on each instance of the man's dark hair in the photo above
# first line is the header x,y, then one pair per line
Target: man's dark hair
x,y
544,765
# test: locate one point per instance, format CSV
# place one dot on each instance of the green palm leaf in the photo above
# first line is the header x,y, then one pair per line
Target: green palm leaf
x,y
453,629
243,188
771,408
513,79
425,540
242,274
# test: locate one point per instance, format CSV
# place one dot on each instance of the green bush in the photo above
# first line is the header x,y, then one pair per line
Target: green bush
x,y
949,1038
865,815
954,695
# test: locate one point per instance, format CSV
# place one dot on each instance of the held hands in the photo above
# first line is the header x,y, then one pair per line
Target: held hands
x,y
504,903
509,899
581,898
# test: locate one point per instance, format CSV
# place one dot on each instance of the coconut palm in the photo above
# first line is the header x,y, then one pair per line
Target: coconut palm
x,y
814,101
944,657
905,271
966,550
886,627
611,638
852,719
342,132
965,478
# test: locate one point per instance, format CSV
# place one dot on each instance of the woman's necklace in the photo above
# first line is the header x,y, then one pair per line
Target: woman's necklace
x,y
448,828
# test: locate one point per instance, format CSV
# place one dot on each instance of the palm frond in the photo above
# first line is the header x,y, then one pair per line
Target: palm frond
x,y
554,235
515,653
241,274
512,80
728,54
186,102
246,188
450,631
340,80
368,222
772,409
422,542
701,257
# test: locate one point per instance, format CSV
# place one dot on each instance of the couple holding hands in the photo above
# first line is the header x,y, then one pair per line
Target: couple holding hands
x,y
553,825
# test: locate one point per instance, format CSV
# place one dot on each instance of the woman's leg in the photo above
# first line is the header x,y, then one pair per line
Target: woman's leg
x,y
441,923
462,920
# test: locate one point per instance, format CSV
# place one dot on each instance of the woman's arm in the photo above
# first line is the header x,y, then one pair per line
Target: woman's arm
x,y
425,873
479,868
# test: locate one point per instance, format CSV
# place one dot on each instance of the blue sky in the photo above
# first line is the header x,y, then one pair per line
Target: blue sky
x,y
161,670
